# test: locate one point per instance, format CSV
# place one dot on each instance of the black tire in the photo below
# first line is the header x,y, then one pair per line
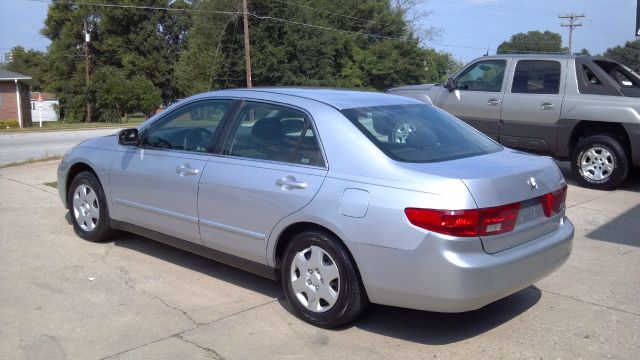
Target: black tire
x,y
101,230
351,299
617,156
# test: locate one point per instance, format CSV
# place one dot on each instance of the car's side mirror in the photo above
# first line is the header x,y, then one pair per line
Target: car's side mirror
x,y
450,84
128,137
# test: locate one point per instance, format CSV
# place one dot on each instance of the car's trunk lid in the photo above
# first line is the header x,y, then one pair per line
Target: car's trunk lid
x,y
507,177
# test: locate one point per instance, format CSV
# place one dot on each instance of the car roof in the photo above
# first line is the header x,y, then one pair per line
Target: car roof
x,y
337,98
542,56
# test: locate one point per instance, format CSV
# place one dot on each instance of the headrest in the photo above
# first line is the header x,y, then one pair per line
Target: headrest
x,y
269,128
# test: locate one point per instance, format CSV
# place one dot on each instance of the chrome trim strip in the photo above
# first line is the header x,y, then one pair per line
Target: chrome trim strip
x,y
172,214
232,229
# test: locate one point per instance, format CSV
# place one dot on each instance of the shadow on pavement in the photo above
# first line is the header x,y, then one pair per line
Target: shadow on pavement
x,y
410,325
622,229
201,264
432,328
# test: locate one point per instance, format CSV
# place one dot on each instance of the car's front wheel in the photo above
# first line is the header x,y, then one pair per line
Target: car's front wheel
x,y
600,162
88,208
321,281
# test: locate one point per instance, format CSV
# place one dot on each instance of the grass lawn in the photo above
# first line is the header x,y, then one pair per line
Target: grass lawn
x,y
61,125
31,161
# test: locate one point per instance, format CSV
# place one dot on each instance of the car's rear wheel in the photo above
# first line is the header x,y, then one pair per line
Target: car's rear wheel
x,y
88,208
600,162
321,281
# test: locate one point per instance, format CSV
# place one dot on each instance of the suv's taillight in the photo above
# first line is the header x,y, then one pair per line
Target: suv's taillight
x,y
466,223
481,222
554,202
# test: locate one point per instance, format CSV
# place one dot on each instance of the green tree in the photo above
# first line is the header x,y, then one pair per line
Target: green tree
x,y
533,42
331,52
115,96
29,62
141,42
584,52
629,54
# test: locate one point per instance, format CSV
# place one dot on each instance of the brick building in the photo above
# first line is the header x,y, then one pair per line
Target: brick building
x,y
14,97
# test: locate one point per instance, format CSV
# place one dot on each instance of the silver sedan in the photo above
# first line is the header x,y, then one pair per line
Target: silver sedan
x,y
347,197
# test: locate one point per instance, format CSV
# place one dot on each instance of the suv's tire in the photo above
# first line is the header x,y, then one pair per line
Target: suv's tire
x,y
88,208
600,162
321,281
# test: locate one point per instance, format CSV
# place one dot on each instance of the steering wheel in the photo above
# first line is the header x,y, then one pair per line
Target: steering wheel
x,y
159,142
197,139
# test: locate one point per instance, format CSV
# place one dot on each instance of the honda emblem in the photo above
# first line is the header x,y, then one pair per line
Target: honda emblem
x,y
532,183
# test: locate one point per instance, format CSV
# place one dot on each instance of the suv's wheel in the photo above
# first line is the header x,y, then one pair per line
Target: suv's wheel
x,y
320,280
88,208
600,162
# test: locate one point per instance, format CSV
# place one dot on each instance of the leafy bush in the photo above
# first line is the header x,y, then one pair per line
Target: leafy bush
x,y
9,124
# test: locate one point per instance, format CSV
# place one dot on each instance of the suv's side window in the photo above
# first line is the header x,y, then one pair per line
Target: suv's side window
x,y
276,133
536,77
189,128
482,76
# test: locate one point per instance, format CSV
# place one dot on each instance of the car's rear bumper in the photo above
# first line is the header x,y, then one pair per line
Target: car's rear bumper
x,y
447,275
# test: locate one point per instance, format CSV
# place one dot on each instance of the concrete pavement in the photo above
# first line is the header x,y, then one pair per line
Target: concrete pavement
x,y
132,298
17,146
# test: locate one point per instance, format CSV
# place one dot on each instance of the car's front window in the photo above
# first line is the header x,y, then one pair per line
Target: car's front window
x,y
482,76
419,133
189,128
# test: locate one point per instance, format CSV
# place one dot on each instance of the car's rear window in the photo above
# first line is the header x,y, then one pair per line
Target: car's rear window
x,y
419,133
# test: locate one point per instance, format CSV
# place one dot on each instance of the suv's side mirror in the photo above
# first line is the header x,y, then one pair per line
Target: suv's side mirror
x,y
128,137
450,84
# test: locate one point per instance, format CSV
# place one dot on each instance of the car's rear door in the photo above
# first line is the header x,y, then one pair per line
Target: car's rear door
x,y
270,166
531,106
155,185
477,99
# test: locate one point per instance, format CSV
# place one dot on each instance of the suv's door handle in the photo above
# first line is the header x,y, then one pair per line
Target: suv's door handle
x,y
289,182
186,170
548,106
493,102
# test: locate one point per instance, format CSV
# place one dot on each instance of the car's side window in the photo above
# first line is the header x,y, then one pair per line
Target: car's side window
x,y
593,81
482,76
277,133
189,128
536,77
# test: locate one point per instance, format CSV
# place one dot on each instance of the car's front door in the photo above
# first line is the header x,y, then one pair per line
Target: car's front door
x,y
270,167
155,185
531,106
477,98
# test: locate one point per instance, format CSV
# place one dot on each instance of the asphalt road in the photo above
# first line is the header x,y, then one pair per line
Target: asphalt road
x,y
16,147
132,298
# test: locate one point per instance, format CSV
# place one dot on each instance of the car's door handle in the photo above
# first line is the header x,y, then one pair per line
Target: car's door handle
x,y
547,106
289,182
186,170
493,102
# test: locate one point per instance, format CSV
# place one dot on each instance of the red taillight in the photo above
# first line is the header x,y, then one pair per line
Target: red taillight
x,y
466,223
554,202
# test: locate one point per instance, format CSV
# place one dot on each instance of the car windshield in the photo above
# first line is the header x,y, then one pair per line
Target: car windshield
x,y
419,133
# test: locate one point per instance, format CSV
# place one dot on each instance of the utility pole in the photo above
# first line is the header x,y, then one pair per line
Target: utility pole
x,y
572,24
87,66
247,46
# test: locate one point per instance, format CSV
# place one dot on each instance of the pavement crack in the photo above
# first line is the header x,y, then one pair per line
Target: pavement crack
x,y
154,296
590,303
29,185
210,352
107,253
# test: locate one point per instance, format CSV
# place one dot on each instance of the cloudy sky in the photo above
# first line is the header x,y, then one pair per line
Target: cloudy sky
x,y
467,27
